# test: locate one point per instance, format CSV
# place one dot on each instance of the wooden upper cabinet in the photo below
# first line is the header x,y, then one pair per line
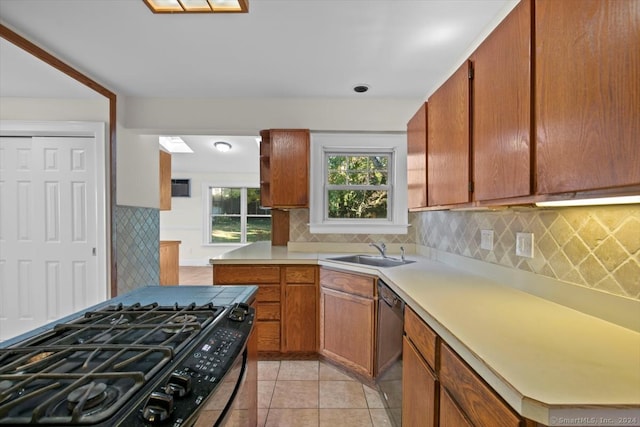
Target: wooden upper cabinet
x,y
587,94
449,144
165,181
417,159
502,109
284,168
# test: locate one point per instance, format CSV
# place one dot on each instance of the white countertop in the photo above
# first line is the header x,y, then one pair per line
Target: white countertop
x,y
551,363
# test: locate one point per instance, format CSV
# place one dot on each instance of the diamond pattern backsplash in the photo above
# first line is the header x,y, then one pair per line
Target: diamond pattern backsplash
x,y
596,247
137,247
299,232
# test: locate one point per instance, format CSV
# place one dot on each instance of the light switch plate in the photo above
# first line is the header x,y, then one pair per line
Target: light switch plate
x,y
486,239
524,245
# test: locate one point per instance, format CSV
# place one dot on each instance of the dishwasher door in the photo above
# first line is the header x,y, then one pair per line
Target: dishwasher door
x,y
389,351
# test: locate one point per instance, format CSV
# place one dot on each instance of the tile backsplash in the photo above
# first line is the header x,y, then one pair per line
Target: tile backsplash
x,y
137,241
299,232
595,247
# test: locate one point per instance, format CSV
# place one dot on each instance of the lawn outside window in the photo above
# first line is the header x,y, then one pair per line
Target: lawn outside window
x,y
357,184
235,216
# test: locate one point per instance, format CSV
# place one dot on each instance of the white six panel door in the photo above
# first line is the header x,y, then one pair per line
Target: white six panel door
x,y
47,230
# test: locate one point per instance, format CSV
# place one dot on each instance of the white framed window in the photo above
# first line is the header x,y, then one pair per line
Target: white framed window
x,y
234,216
358,183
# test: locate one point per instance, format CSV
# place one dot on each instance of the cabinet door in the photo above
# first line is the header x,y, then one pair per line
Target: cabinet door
x,y
502,109
169,263
165,181
289,164
300,322
346,330
448,152
419,389
587,90
417,159
450,414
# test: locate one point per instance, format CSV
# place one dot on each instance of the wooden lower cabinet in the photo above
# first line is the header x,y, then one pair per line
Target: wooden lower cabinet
x,y
419,389
480,404
450,414
300,325
347,320
346,334
286,304
301,322
169,262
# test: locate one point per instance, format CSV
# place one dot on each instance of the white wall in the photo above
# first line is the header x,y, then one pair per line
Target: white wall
x,y
55,109
241,116
185,221
137,169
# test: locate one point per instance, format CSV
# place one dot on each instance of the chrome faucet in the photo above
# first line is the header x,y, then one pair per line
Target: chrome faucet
x,y
381,247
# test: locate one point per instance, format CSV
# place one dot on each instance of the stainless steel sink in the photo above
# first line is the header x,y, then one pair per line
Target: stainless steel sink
x,y
375,261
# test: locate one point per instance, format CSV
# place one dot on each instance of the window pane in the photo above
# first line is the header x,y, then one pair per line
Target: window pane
x,y
378,178
337,163
253,203
337,178
225,201
357,204
258,228
225,229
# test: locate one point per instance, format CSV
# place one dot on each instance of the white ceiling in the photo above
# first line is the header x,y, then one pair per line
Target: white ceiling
x,y
280,49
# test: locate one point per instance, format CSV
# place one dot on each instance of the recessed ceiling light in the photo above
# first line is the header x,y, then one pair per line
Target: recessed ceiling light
x,y
222,146
174,144
361,88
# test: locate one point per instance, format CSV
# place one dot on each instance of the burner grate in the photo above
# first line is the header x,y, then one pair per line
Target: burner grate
x,y
83,372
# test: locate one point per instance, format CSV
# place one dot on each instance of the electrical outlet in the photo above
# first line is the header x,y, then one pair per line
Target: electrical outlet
x,y
486,239
524,245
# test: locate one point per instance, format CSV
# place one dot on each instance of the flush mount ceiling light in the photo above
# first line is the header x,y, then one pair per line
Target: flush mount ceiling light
x,y
198,6
222,146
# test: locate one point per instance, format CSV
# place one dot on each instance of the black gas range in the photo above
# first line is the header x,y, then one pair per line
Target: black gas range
x,y
129,365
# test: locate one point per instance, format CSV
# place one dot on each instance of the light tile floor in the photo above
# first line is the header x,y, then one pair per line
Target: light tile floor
x,y
315,394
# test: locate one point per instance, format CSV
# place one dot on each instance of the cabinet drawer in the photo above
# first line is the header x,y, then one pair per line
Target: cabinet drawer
x,y
476,399
268,293
245,274
350,283
268,311
303,274
422,336
268,336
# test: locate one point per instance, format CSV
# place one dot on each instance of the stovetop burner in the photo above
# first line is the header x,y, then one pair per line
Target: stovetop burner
x,y
84,371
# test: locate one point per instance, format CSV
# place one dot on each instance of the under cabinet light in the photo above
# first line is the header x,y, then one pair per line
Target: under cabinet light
x,y
198,6
622,200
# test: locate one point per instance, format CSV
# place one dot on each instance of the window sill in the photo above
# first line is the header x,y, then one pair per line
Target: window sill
x,y
358,228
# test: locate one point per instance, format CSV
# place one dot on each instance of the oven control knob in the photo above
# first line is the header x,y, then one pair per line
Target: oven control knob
x,y
158,408
179,385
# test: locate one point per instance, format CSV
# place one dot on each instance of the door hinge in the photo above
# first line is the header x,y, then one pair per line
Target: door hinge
x,y
471,187
471,73
93,251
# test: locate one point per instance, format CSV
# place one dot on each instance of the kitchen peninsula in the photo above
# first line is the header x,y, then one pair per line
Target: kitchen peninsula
x,y
549,362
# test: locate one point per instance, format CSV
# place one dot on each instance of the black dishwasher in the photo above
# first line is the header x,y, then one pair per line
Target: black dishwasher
x,y
389,351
